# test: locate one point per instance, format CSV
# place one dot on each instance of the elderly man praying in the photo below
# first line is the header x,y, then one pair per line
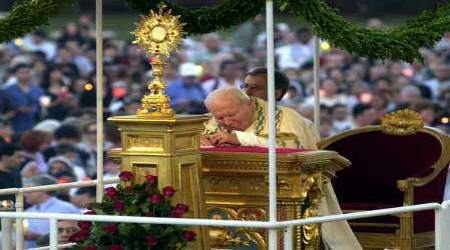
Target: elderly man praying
x,y
240,120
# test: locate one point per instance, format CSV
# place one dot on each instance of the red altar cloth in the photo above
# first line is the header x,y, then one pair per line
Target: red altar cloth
x,y
241,149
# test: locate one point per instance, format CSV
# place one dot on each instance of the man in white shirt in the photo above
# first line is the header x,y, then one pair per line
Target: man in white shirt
x,y
297,51
43,202
37,42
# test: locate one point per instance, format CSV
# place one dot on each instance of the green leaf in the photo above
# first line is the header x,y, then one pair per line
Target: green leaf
x,y
26,17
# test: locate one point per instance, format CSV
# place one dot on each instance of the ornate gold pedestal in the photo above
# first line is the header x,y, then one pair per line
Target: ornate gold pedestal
x,y
236,187
169,149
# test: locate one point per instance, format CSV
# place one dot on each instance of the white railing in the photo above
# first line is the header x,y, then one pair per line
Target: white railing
x,y
62,246
442,215
19,206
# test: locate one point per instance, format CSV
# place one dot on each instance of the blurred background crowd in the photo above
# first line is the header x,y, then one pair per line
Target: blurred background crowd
x,y
48,92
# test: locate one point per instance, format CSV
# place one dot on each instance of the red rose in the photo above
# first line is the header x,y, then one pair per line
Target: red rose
x,y
151,240
182,207
89,248
111,192
85,225
119,206
151,179
126,176
189,235
115,247
168,191
79,236
176,213
155,199
111,228
90,212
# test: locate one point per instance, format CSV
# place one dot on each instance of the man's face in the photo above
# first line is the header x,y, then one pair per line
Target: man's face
x,y
340,113
256,86
91,133
34,198
305,37
427,116
23,74
57,167
443,72
367,117
231,114
329,87
82,200
13,161
65,229
230,71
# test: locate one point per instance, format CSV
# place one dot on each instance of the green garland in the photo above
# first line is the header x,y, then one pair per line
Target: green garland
x,y
27,16
402,42
206,19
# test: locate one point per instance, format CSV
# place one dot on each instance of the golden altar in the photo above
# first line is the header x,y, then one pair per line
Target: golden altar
x,y
235,187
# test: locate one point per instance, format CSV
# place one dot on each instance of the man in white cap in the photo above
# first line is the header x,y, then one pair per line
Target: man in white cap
x,y
186,95
49,125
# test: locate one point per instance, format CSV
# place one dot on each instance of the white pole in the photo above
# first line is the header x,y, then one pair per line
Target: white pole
x,y
272,125
53,234
7,225
289,238
442,226
316,82
62,246
99,55
20,240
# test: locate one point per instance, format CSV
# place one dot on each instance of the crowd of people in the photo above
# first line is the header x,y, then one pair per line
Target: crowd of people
x,y
48,95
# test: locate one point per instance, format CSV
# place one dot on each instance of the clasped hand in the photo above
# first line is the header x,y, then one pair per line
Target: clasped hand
x,y
219,139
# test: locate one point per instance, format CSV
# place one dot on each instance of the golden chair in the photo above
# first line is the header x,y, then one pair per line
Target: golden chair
x,y
398,163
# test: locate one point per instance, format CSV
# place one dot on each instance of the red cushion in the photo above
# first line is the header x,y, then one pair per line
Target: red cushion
x,y
241,149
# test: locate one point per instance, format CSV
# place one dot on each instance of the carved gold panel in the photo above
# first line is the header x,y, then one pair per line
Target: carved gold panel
x,y
144,143
185,141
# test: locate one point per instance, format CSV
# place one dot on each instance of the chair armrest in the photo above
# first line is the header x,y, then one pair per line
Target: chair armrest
x,y
412,182
422,190
423,180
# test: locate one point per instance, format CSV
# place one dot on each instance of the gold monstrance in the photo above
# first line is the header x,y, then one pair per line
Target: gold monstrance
x,y
159,34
